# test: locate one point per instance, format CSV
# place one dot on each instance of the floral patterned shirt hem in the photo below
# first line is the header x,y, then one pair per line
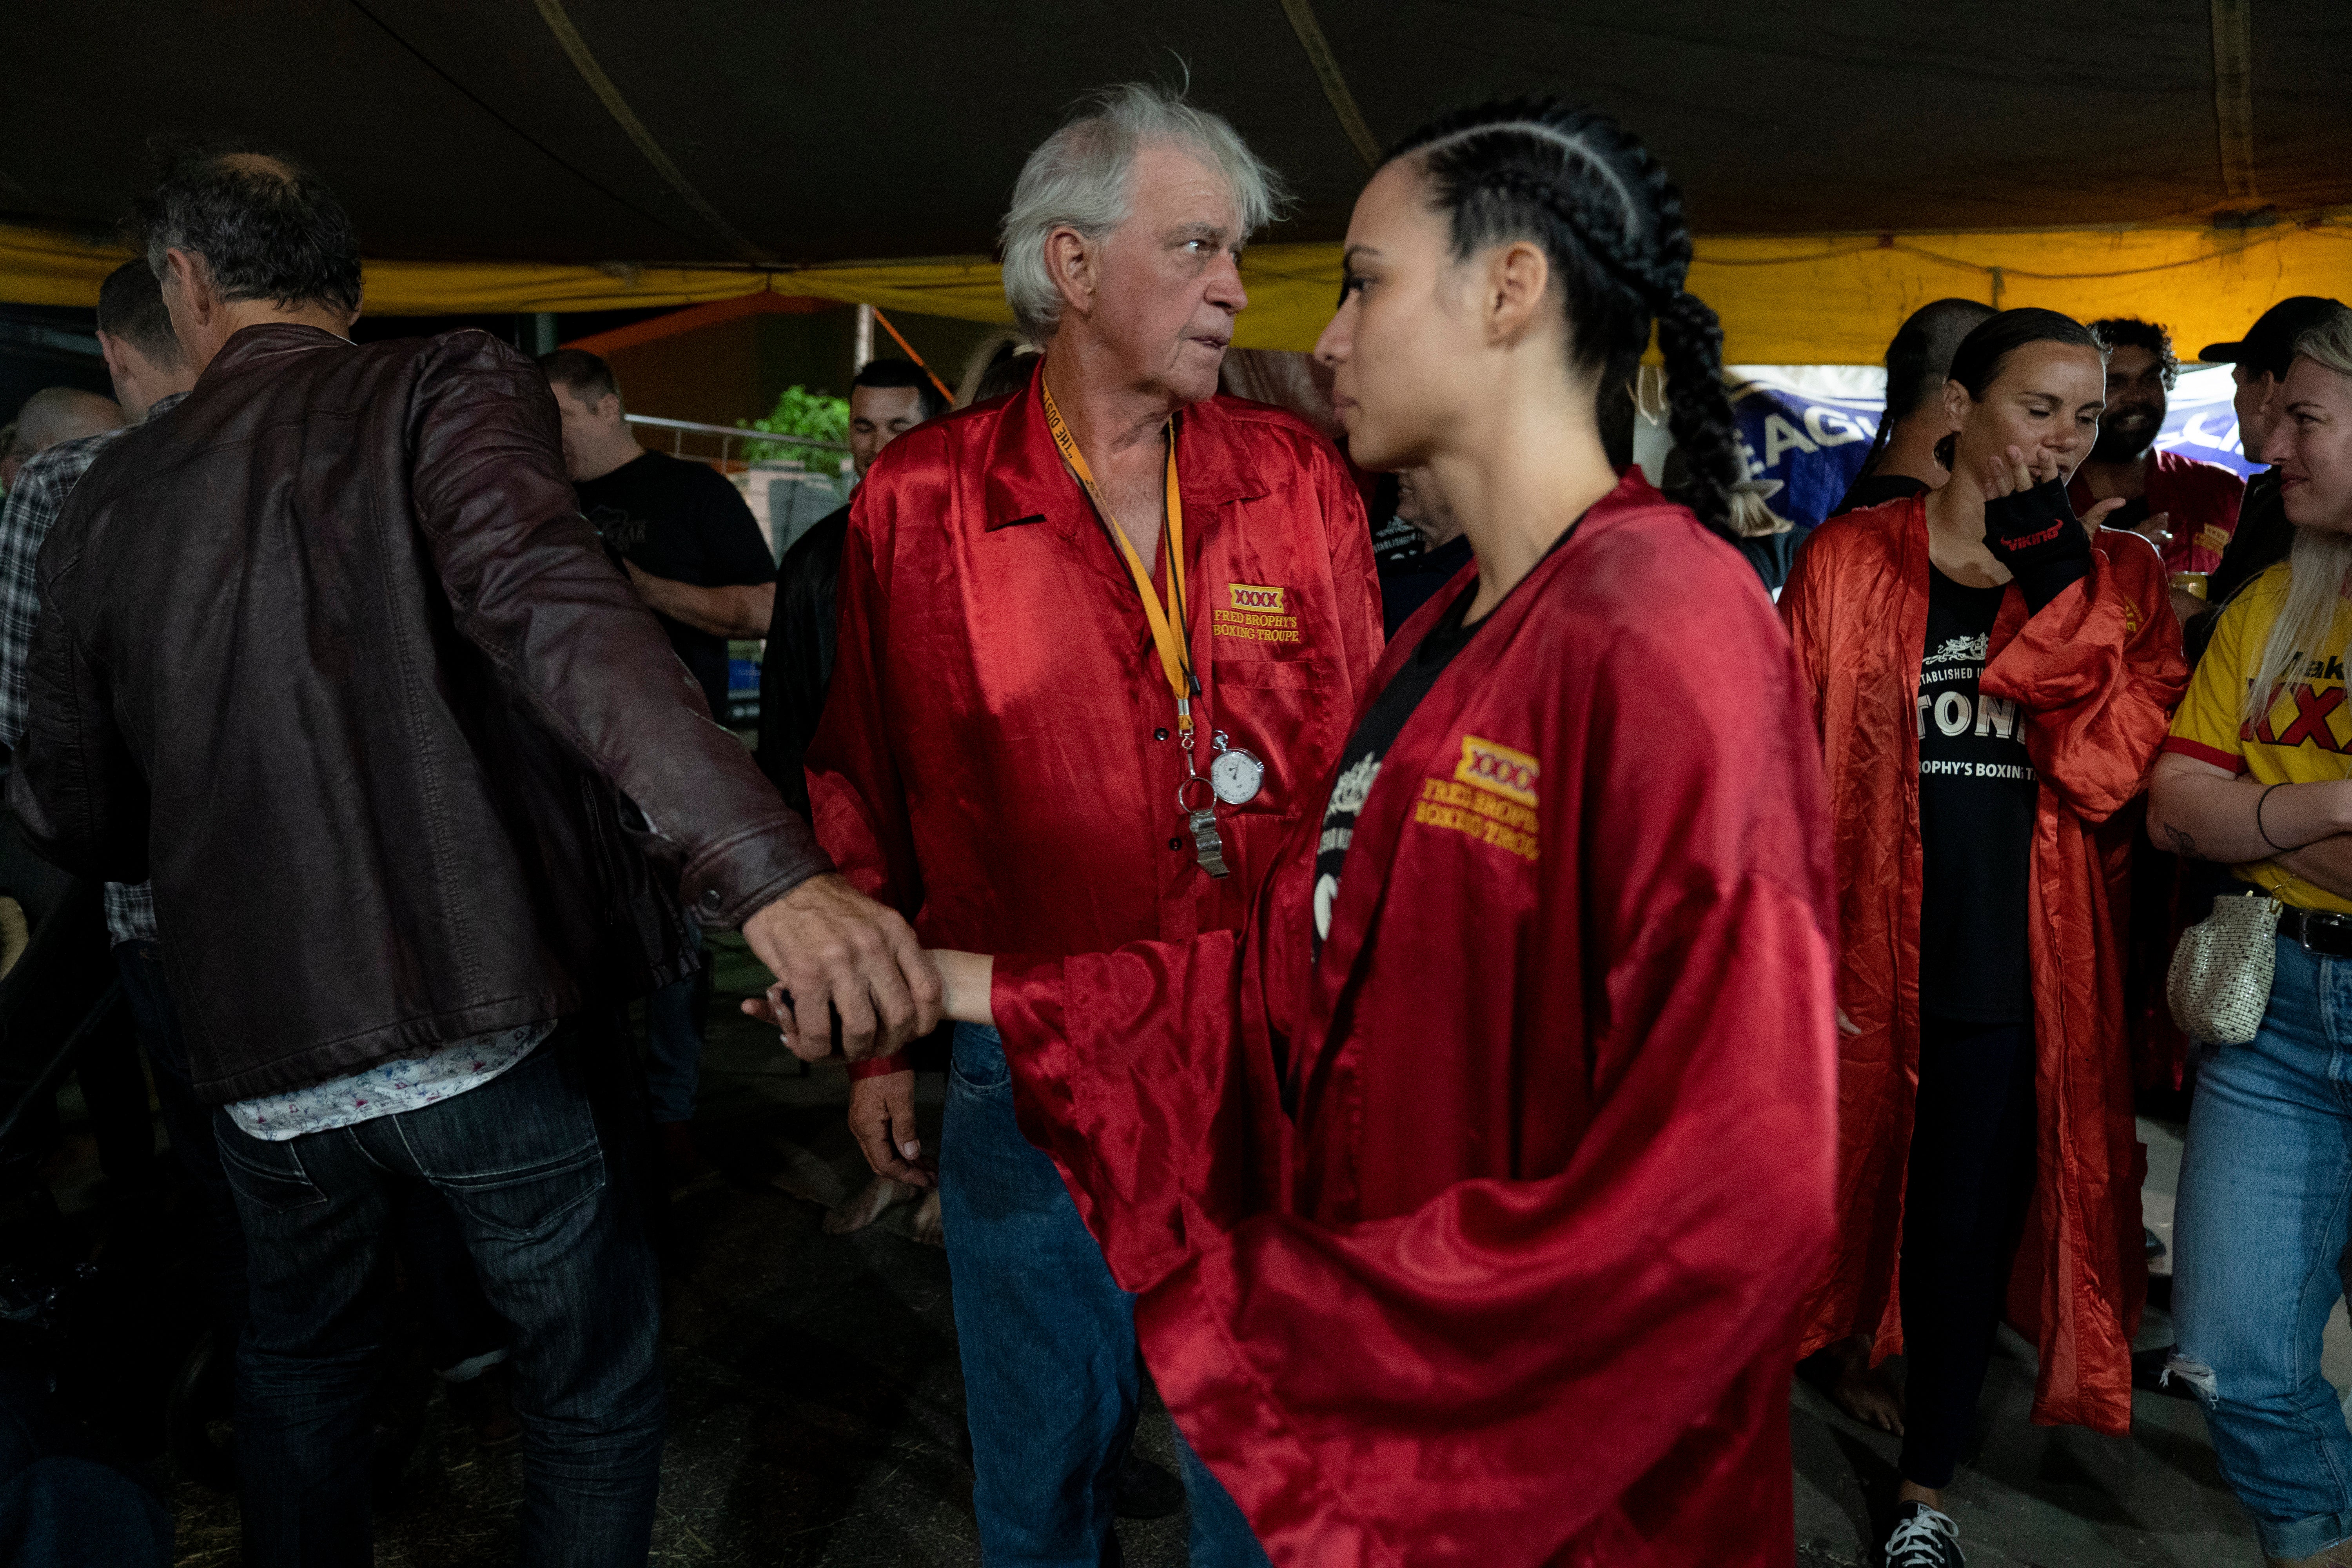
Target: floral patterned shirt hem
x,y
387,1089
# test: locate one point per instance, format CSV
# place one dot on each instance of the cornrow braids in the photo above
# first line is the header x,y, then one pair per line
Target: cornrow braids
x,y
1611,221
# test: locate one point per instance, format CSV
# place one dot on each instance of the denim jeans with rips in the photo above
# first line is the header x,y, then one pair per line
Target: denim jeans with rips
x,y
1047,1340
557,1238
2265,1193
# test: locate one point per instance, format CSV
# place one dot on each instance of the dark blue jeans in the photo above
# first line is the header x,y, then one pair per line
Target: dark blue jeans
x,y
558,1244
1047,1340
673,1044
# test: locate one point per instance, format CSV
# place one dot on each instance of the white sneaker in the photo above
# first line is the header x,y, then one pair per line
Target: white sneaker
x,y
1922,1538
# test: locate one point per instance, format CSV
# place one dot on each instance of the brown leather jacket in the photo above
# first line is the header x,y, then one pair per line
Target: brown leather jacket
x,y
329,653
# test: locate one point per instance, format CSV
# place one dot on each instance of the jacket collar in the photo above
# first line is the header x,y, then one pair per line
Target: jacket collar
x,y
1026,481
248,346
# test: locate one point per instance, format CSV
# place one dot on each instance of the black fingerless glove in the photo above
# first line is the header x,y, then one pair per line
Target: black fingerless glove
x,y
2034,534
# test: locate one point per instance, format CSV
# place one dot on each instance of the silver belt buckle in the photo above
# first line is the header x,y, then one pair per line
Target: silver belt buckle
x,y
2324,920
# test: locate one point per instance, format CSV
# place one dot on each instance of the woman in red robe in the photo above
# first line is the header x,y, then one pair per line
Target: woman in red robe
x,y
1470,1192
1991,681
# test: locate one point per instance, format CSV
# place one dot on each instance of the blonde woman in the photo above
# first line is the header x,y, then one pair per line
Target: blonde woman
x,y
2255,772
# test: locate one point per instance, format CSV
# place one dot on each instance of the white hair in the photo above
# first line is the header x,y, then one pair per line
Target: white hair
x,y
2319,567
1078,178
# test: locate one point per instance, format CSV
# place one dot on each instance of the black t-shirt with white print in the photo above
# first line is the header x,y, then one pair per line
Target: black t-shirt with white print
x,y
1977,799
1375,734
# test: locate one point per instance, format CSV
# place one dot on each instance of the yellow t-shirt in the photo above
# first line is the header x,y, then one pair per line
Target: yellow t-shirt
x,y
2306,738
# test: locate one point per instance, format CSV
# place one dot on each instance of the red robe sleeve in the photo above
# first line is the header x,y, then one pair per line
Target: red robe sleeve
x,y
2100,669
857,801
1415,1387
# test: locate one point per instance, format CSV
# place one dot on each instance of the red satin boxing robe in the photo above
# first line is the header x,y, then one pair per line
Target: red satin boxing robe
x,y
997,756
1516,1281
2097,673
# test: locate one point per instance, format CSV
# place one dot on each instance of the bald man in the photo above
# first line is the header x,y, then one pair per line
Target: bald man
x,y
58,413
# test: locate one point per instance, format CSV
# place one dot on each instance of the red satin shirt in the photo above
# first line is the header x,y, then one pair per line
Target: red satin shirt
x,y
2201,499
1507,1275
998,757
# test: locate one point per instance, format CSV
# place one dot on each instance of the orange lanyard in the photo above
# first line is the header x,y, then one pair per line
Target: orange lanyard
x,y
1167,625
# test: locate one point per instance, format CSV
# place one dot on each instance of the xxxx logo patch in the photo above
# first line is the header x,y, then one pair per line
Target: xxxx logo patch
x,y
1490,765
1491,798
1257,613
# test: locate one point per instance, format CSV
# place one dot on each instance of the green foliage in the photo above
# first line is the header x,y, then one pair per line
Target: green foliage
x,y
799,412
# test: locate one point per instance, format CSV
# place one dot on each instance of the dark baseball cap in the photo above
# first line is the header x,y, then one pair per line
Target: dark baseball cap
x,y
2270,345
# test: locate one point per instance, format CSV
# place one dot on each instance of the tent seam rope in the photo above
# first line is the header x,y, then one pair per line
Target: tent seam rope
x,y
585,61
2233,96
1334,86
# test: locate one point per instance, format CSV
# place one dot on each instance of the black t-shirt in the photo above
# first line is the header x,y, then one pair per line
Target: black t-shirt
x,y
1411,581
2263,537
685,522
1977,799
1376,732
1877,489
798,665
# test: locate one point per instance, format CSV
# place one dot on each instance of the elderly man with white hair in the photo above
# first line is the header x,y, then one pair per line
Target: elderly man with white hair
x,y
1099,644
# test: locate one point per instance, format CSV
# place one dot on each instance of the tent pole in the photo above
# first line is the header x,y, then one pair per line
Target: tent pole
x,y
861,345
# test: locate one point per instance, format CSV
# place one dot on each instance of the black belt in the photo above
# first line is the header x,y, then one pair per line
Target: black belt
x,y
2322,931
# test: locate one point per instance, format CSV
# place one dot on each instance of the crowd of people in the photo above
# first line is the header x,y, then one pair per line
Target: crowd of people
x,y
1468,1015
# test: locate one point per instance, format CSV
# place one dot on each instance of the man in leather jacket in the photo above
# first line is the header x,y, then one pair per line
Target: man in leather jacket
x,y
332,656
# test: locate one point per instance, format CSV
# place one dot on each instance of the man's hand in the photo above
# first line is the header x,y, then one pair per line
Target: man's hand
x,y
882,1118
837,951
2157,530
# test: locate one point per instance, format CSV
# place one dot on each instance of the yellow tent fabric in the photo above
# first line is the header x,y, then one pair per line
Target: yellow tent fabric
x,y
1828,299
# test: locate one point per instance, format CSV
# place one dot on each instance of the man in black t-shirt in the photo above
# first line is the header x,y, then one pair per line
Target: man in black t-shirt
x,y
2258,363
667,518
662,517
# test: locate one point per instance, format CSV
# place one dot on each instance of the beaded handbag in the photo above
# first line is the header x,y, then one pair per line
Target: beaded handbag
x,y
2218,987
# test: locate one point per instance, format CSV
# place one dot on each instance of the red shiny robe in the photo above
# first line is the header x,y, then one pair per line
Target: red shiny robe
x,y
1516,1280
2097,673
2201,499
997,757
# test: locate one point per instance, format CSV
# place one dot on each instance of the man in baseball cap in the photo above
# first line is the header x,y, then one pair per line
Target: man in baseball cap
x,y
2258,364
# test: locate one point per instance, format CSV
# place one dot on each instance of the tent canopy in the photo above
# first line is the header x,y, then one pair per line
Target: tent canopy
x,y
1843,161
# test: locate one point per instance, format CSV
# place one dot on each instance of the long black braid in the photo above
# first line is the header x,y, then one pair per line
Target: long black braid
x,y
1581,186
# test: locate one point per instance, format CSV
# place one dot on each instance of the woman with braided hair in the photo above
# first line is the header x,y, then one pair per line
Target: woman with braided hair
x,y
1469,1193
1992,679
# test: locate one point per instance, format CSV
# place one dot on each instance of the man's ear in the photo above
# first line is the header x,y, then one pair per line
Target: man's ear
x,y
1070,262
608,408
1517,277
110,348
192,281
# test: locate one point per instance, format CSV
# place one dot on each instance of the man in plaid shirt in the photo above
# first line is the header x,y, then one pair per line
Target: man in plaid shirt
x,y
150,376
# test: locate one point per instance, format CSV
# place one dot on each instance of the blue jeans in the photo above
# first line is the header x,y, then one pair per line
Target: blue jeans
x,y
2265,1193
1047,1340
673,1044
557,1240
